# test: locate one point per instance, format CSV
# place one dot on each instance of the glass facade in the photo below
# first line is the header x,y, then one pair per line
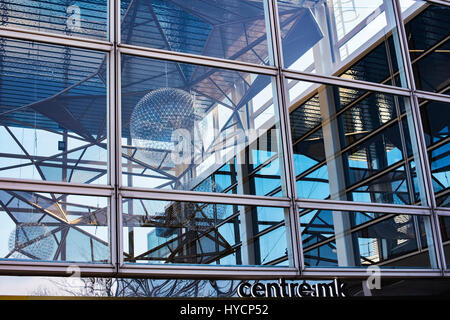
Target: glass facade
x,y
54,227
361,239
219,131
200,233
245,138
53,113
81,19
325,39
352,145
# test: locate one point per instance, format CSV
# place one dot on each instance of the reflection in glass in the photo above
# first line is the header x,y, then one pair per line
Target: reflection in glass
x,y
232,29
188,127
352,145
324,37
362,239
168,232
54,227
83,18
53,118
436,124
428,34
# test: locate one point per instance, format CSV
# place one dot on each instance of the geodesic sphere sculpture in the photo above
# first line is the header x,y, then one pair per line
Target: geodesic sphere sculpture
x,y
154,119
34,239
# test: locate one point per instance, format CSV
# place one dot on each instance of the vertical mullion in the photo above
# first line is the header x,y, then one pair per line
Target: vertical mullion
x,y
117,22
415,114
111,87
118,135
437,236
112,152
276,34
423,165
115,78
283,101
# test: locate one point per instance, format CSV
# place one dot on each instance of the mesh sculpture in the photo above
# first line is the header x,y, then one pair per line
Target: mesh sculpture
x,y
32,239
154,120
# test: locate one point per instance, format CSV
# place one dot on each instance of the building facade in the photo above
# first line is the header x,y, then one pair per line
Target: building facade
x,y
241,139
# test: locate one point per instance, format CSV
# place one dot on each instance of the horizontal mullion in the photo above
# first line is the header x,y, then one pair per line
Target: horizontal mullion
x,y
204,197
204,272
54,38
432,96
442,211
56,187
207,271
328,273
440,2
60,268
197,59
342,82
339,205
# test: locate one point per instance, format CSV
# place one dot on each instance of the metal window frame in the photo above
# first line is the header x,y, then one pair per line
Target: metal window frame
x,y
116,191
391,211
424,164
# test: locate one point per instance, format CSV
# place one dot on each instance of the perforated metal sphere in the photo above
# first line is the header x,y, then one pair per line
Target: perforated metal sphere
x,y
32,238
156,116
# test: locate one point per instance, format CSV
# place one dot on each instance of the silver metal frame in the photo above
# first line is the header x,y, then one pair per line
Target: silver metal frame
x,y
116,191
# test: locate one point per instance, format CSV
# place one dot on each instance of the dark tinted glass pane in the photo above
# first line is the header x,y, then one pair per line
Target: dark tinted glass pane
x,y
362,239
435,120
436,123
445,231
53,113
188,127
233,29
54,227
428,39
440,160
173,232
84,18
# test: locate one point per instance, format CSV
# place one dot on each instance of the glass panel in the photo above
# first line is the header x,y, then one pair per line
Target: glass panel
x,y
353,39
428,33
352,145
173,232
232,29
436,124
83,18
54,227
362,239
53,113
188,127
445,231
